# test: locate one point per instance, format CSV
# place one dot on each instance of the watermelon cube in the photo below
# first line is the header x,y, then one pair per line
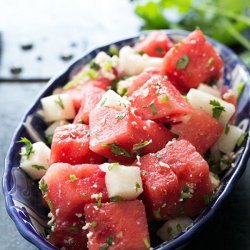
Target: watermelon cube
x,y
176,181
70,144
68,188
192,61
156,44
139,80
201,130
117,225
158,99
120,135
91,96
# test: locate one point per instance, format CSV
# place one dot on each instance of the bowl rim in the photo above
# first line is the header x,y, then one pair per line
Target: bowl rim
x,y
183,238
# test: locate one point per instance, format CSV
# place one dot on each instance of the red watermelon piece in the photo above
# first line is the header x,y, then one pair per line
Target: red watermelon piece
x,y
141,79
179,170
114,133
156,44
91,96
201,130
192,61
158,99
117,225
70,187
69,234
70,144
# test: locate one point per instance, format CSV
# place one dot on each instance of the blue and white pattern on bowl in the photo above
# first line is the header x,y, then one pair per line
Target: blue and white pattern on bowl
x,y
23,198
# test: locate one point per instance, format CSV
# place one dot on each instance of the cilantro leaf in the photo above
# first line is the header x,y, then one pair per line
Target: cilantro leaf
x,y
38,167
59,102
217,108
141,145
117,150
28,147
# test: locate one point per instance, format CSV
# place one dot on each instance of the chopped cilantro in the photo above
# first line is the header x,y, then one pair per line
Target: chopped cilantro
x,y
99,200
43,186
217,108
110,240
141,145
123,91
158,155
94,65
28,147
93,224
103,102
38,167
59,102
116,198
159,50
49,139
146,242
186,193
183,62
113,50
170,232
227,129
178,228
144,172
117,150
75,228
240,89
50,204
153,108
241,139
112,165
120,116
163,98
206,199
210,61
72,177
137,186
157,214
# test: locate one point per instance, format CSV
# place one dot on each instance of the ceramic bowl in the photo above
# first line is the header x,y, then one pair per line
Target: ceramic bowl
x,y
23,198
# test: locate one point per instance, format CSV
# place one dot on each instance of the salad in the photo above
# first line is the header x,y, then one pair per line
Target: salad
x,y
136,144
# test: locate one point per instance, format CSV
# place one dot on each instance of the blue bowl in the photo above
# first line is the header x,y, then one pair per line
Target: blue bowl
x,y
23,199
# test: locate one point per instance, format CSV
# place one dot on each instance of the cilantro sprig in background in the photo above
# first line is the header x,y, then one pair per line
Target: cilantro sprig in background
x,y
223,20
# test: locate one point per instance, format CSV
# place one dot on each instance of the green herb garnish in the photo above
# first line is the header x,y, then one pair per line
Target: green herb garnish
x,y
72,177
110,240
38,167
116,198
153,108
43,186
183,62
112,165
157,214
116,149
240,89
99,200
120,116
113,50
159,50
163,98
206,199
59,102
94,65
217,108
178,228
28,147
141,145
170,232
144,172
241,139
210,61
49,139
186,193
137,187
227,129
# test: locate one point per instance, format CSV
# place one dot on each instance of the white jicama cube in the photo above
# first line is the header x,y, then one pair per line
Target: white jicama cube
x,y
210,90
201,100
58,107
51,129
132,63
124,182
37,163
173,227
228,140
113,100
214,180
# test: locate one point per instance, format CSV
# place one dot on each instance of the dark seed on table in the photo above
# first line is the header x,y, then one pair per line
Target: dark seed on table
x,y
73,44
27,46
39,58
15,70
66,56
